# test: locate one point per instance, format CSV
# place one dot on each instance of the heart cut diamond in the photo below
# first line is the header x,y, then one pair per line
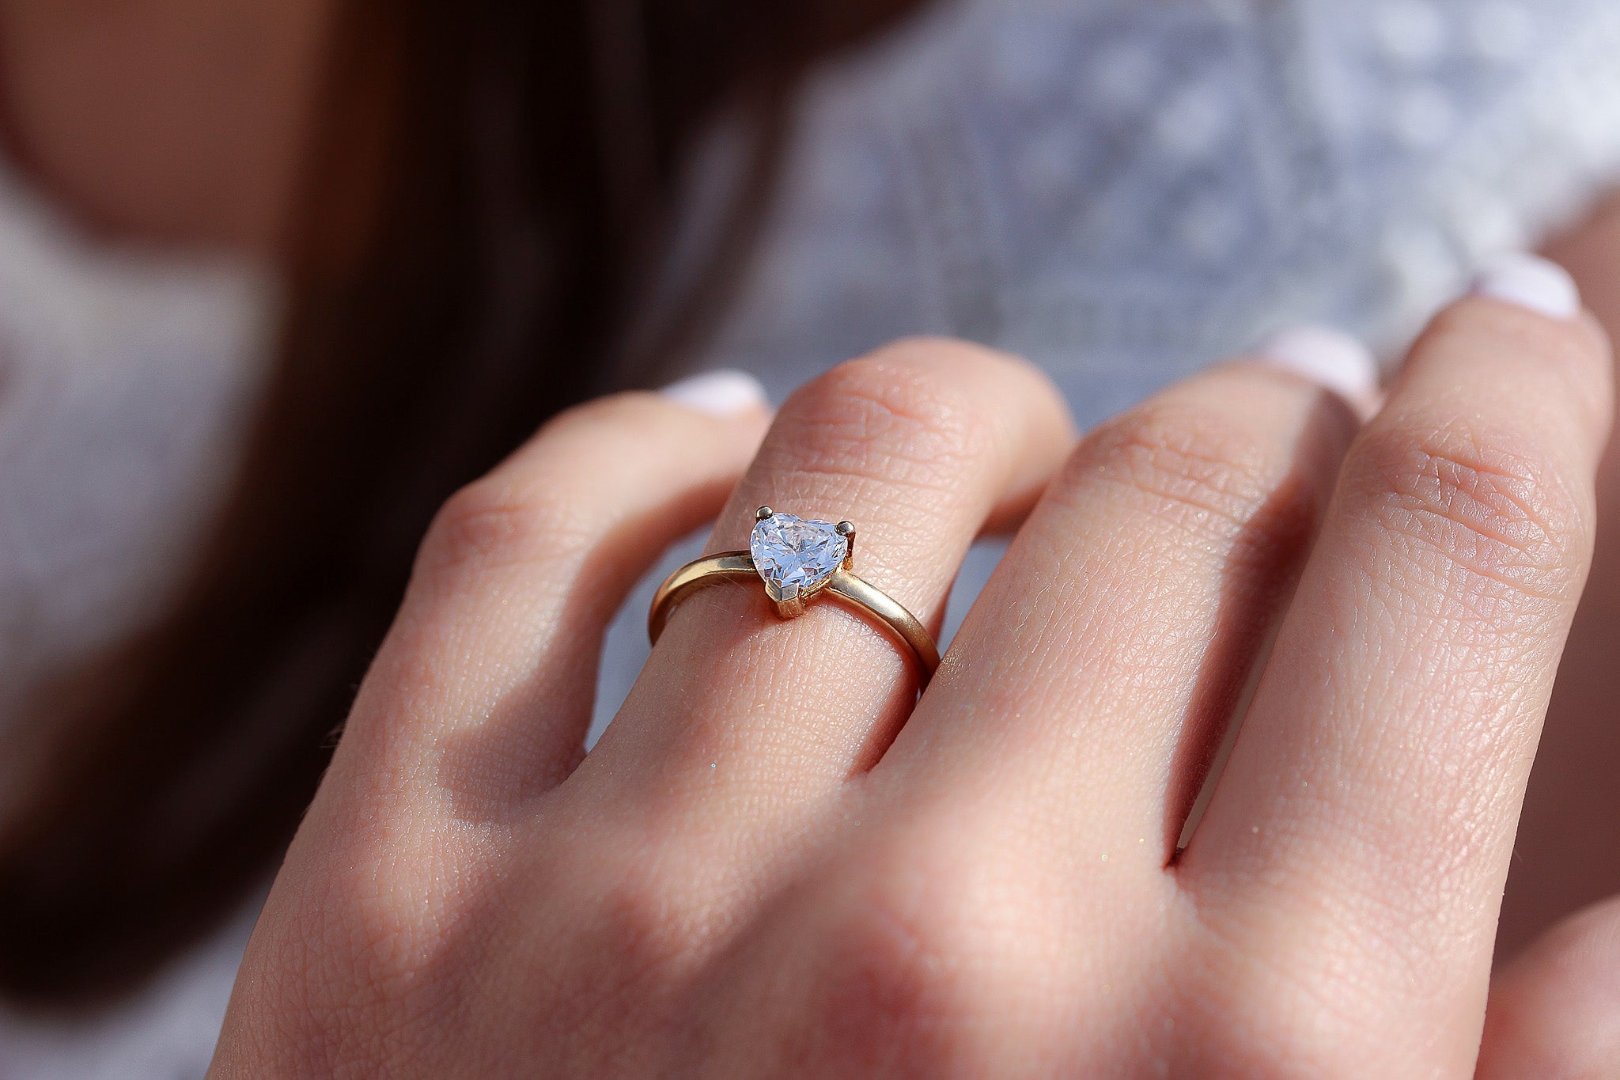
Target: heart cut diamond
x,y
794,555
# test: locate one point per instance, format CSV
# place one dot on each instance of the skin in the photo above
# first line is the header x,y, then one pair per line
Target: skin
x,y
990,888
761,870
1566,859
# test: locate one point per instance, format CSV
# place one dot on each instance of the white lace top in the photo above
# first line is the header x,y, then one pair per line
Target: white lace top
x,y
1123,190
1120,190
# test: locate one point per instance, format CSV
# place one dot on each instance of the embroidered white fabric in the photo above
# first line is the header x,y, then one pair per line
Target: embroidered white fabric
x,y
1120,190
1123,191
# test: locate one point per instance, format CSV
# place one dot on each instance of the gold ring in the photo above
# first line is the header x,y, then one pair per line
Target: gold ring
x,y
799,559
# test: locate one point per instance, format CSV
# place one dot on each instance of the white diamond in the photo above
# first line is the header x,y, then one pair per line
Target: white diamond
x,y
794,555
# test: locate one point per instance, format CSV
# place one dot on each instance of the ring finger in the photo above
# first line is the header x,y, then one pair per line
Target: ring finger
x,y
920,445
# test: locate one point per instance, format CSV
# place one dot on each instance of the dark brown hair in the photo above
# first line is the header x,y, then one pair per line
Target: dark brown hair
x,y
490,188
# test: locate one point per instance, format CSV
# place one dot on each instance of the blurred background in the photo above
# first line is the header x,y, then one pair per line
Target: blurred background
x,y
276,278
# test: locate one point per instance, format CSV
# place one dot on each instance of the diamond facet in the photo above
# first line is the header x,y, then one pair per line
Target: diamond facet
x,y
794,555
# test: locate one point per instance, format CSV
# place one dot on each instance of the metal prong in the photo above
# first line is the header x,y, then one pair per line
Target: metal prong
x,y
846,529
789,603
762,513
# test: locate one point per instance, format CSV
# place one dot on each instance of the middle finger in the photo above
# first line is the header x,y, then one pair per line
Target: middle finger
x,y
1095,674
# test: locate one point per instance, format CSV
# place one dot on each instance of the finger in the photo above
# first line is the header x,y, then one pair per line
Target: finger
x,y
1097,669
1555,1010
918,445
484,685
1375,786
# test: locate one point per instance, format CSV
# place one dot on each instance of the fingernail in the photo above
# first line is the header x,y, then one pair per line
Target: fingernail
x,y
1326,356
718,393
1530,282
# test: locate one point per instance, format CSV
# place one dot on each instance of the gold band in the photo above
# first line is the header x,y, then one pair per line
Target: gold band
x,y
852,589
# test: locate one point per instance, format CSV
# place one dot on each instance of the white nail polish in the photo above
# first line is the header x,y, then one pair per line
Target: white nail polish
x,y
718,393
1326,356
1530,282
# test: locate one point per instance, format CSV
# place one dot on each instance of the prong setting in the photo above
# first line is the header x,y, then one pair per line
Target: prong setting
x,y
789,601
797,557
846,529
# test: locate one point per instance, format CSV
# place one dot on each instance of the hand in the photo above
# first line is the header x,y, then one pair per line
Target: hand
x,y
775,863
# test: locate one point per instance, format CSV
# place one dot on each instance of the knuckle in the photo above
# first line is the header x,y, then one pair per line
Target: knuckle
x,y
637,921
380,909
646,932
893,987
1483,514
1252,1015
540,505
338,974
892,415
495,521
907,971
1206,473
